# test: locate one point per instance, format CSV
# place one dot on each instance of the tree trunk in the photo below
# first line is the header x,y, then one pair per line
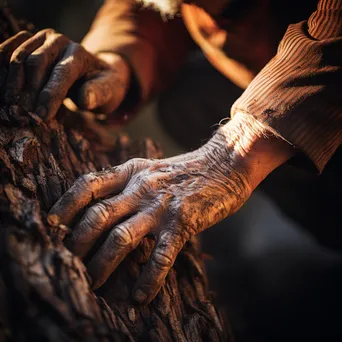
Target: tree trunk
x,y
44,289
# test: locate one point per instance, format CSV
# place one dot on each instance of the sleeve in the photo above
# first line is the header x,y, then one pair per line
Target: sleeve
x,y
154,48
298,95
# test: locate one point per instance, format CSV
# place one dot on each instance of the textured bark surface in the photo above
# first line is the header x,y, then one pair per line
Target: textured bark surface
x,y
45,292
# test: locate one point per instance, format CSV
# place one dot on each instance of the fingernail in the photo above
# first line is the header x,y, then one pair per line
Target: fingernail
x,y
140,296
41,111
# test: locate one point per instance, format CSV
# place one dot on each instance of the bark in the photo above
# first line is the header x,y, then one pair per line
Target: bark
x,y
45,291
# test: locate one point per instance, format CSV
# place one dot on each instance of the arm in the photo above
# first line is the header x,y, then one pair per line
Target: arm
x,y
298,94
171,199
154,48
45,68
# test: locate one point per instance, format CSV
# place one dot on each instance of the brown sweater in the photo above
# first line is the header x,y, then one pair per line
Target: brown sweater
x,y
298,94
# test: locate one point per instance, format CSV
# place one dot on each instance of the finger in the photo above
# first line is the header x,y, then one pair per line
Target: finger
x,y
87,188
98,219
122,239
104,93
6,50
40,61
162,259
16,72
8,46
70,68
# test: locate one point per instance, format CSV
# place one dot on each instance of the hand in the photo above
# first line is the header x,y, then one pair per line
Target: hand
x,y
43,69
171,199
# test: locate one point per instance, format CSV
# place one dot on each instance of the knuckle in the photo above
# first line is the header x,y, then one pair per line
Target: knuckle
x,y
151,218
18,56
129,164
7,45
47,32
88,223
36,61
138,160
59,38
99,212
137,163
144,184
76,48
129,167
121,237
61,71
162,260
108,205
192,229
94,218
171,238
24,33
86,180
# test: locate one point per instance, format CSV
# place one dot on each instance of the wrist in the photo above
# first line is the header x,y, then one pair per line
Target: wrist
x,y
126,76
114,60
252,148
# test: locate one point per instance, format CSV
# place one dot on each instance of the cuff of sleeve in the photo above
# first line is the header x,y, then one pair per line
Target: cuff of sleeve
x,y
298,94
317,146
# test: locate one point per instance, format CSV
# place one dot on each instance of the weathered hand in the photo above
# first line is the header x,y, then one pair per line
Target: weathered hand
x,y
170,199
44,68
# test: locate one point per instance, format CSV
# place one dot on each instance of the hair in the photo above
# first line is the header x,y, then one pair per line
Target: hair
x,y
165,7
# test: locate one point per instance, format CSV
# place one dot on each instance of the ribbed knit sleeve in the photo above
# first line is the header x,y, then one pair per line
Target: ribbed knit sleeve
x,y
298,95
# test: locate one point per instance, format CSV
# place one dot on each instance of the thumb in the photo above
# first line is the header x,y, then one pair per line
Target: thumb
x,y
104,92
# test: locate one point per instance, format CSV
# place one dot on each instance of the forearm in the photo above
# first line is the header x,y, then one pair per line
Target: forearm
x,y
154,49
297,95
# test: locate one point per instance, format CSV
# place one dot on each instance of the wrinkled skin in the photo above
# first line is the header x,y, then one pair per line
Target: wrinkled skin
x,y
171,199
44,67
